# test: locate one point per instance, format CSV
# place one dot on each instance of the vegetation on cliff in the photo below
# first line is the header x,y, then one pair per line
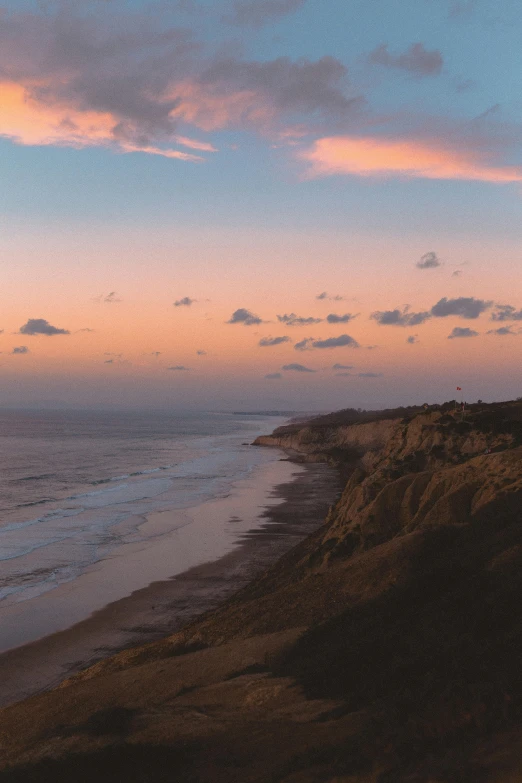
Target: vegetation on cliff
x,y
386,647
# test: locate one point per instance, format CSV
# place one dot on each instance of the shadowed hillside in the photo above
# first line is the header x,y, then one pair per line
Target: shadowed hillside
x,y
385,647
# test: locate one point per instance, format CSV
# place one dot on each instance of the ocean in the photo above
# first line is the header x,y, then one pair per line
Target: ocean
x,y
76,486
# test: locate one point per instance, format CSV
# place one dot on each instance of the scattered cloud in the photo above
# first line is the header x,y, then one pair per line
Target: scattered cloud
x,y
297,368
179,368
86,330
506,313
20,349
343,341
428,261
370,375
256,13
109,361
296,320
156,353
41,326
268,341
418,60
185,302
503,330
112,298
273,376
201,353
399,317
325,295
412,339
304,345
342,367
463,306
462,332
245,317
340,319
457,273
344,374
436,157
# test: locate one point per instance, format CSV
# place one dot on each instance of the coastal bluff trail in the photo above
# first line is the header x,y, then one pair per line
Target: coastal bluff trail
x,y
384,648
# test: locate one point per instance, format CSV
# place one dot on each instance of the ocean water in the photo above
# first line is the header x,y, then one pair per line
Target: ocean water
x,y
76,485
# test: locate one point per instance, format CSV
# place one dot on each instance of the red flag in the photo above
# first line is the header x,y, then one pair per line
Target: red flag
x,y
458,388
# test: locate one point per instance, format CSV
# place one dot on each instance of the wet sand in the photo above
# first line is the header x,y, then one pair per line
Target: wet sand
x,y
266,527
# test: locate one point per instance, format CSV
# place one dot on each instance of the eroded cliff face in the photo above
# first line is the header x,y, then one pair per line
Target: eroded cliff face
x,y
385,648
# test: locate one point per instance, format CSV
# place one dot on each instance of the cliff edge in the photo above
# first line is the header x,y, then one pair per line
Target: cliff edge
x,y
385,647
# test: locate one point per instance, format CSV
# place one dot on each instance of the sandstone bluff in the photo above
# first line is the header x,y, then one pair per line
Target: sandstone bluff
x,y
385,647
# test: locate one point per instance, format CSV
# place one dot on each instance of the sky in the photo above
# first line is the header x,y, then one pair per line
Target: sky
x,y
259,204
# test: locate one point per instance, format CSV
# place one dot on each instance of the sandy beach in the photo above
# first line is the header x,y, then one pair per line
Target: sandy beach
x,y
196,558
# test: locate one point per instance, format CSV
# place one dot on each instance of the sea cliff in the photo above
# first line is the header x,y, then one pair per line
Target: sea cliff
x,y
384,647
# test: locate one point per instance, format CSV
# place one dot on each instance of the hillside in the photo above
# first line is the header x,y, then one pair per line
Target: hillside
x,y
383,648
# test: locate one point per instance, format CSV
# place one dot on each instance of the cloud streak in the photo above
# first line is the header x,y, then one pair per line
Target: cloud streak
x,y
340,319
406,158
296,368
266,342
399,317
185,302
256,13
296,320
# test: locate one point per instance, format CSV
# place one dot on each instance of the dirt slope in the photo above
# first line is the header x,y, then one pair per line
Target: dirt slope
x,y
386,647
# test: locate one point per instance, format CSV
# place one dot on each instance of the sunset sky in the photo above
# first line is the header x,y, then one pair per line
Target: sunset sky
x,y
260,204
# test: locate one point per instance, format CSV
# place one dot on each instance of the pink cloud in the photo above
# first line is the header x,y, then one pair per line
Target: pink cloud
x,y
407,158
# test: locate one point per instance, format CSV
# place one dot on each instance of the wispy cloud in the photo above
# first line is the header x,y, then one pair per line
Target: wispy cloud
x,y
201,353
178,368
185,302
245,317
325,295
266,342
112,297
503,331
273,376
506,313
417,60
342,367
41,326
20,349
412,339
256,13
292,319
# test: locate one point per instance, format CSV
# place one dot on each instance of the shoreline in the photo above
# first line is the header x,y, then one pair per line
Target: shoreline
x,y
265,531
